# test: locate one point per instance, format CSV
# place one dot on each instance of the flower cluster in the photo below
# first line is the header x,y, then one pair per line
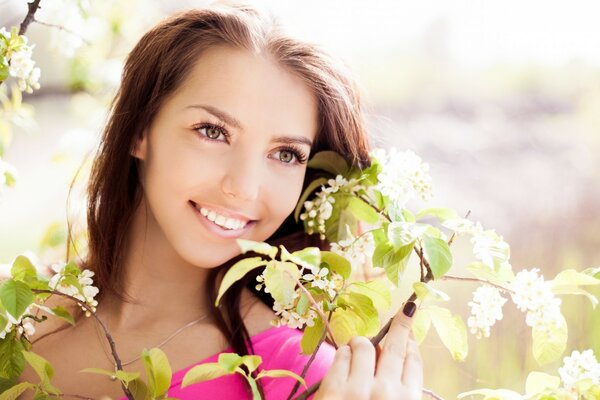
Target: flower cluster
x,y
289,316
320,209
534,295
486,309
86,291
15,55
579,366
23,327
357,251
403,177
488,247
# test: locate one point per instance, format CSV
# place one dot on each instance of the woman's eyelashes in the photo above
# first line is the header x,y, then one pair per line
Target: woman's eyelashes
x,y
212,131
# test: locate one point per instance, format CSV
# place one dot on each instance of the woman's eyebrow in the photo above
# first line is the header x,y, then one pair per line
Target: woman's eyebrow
x,y
232,121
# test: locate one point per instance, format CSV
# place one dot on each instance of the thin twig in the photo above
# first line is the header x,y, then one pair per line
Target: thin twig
x,y
62,28
29,18
312,358
111,342
463,278
317,309
431,394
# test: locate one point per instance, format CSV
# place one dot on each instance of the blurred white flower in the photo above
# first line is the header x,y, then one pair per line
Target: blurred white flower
x,y
20,64
358,252
318,279
22,327
404,176
533,295
288,316
87,293
486,309
579,366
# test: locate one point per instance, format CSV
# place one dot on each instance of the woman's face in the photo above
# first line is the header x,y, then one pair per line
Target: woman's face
x,y
231,142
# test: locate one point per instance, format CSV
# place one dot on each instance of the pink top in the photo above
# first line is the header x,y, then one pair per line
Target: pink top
x,y
279,348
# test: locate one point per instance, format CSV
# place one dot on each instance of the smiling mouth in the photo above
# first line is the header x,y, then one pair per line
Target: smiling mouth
x,y
221,221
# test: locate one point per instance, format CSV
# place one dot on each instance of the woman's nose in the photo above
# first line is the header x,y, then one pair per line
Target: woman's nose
x,y
242,180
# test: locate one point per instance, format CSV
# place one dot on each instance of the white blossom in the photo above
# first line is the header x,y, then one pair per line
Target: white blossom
x,y
88,291
533,295
404,176
320,209
22,327
288,316
486,309
20,64
358,252
318,279
578,366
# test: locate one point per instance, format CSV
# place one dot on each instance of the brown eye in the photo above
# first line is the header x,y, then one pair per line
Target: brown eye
x,y
212,132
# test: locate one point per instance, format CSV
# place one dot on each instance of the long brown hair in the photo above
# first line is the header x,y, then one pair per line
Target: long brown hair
x,y
154,69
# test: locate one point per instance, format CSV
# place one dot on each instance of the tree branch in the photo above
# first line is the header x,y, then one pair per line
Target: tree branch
x,y
30,17
111,342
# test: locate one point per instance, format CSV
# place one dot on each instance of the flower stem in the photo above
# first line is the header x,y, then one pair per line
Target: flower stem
x,y
111,342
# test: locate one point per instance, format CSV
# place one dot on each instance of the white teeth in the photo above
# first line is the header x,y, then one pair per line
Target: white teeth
x,y
221,220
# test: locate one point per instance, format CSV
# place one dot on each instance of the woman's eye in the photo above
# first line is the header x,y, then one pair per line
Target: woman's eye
x,y
211,132
286,156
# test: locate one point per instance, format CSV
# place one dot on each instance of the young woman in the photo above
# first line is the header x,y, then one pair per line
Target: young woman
x,y
207,141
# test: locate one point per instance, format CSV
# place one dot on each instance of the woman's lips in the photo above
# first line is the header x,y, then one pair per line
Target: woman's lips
x,y
218,230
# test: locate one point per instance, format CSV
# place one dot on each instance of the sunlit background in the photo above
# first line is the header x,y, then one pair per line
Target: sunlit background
x,y
501,98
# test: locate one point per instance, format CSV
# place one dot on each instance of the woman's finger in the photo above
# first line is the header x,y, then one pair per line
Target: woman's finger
x,y
340,368
412,376
391,362
362,366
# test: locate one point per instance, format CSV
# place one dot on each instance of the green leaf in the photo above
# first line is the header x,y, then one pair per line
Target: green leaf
x,y
438,255
138,389
362,211
344,325
395,261
441,213
126,377
281,373
421,324
280,280
62,312
381,249
336,263
452,331
12,361
376,290
425,291
23,268
537,382
329,161
257,247
15,297
311,336
252,362
237,272
158,371
14,392
309,257
303,303
40,365
568,282
230,361
254,387
549,346
363,307
309,189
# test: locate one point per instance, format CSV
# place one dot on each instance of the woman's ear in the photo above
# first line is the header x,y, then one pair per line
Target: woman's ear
x,y
140,147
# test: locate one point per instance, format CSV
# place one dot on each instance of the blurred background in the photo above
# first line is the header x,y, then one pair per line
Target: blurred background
x,y
501,98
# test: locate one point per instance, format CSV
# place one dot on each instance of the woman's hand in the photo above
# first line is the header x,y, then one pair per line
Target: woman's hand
x,y
359,372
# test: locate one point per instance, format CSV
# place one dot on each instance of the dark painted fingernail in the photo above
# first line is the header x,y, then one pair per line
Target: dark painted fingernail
x,y
409,309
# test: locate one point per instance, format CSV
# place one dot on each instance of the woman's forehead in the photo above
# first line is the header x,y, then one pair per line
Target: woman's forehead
x,y
252,89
